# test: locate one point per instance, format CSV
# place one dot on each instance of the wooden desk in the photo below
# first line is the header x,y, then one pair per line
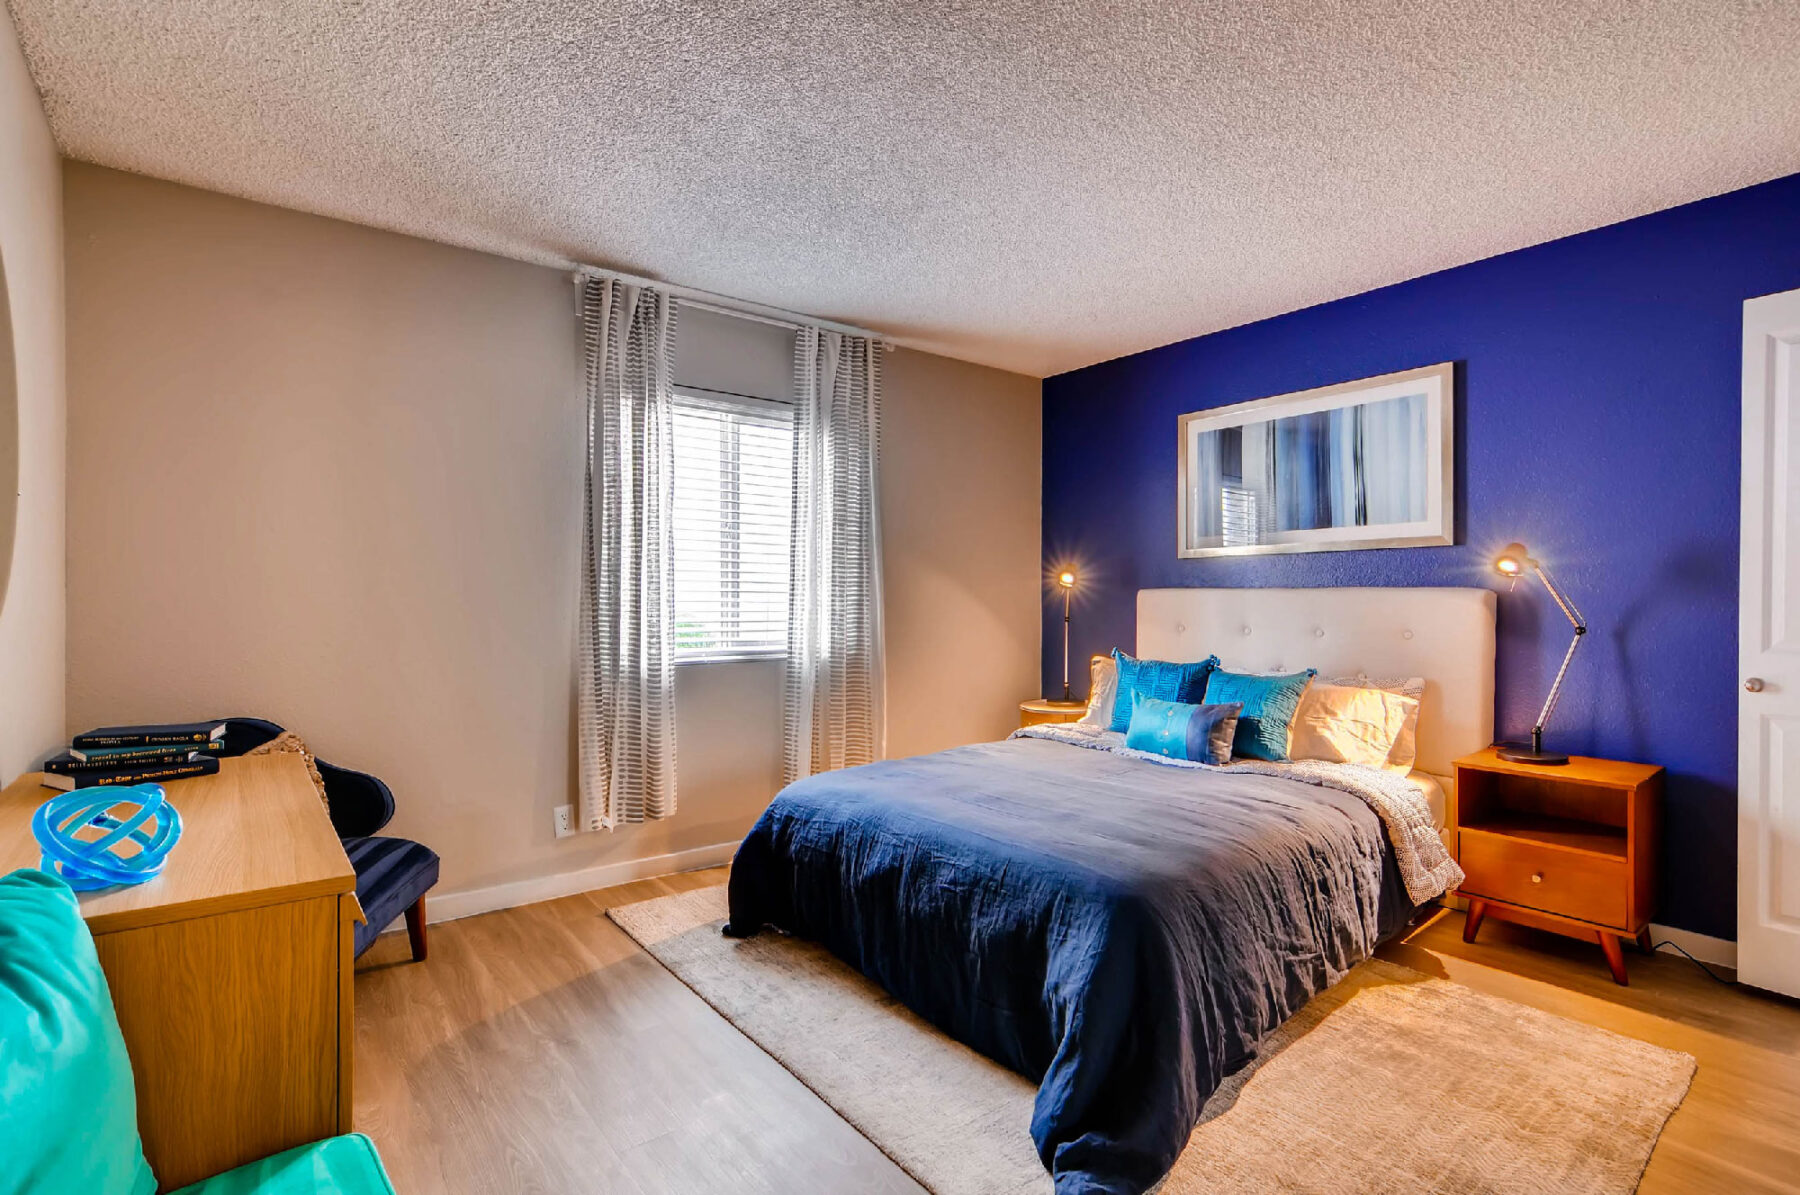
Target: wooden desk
x,y
231,971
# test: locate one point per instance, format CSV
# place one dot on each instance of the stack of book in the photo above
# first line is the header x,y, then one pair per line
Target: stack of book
x,y
137,755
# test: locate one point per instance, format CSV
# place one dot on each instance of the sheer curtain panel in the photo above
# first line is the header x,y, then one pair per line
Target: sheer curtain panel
x,y
834,671
626,678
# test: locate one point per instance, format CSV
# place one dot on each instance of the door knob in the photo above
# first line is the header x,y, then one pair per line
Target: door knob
x,y
1753,685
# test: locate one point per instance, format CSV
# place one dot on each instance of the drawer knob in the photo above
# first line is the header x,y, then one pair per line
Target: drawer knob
x,y
1537,877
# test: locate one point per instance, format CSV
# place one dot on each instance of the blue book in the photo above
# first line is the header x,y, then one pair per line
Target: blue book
x,y
165,735
156,753
69,764
200,765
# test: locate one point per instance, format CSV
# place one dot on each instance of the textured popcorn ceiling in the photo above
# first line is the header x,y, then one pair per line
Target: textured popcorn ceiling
x,y
1032,185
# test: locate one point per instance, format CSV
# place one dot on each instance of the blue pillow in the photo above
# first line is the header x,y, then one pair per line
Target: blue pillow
x,y
1201,733
1159,679
1269,703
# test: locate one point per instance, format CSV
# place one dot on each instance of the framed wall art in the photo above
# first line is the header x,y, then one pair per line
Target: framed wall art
x,y
1366,464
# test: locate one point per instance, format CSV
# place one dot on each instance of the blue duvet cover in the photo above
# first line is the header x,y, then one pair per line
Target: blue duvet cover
x,y
1121,932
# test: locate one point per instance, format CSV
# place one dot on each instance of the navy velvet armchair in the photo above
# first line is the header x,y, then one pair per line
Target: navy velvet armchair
x,y
392,874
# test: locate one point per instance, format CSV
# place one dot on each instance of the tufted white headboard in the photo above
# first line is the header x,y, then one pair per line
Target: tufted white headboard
x,y
1443,635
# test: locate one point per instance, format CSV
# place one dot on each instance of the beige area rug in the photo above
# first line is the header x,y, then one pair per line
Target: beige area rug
x,y
1392,1081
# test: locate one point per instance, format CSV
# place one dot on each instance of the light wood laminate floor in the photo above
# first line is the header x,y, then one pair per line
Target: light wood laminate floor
x,y
540,1050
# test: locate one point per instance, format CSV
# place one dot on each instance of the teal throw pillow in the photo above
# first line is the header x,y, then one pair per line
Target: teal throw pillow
x,y
1161,679
1269,703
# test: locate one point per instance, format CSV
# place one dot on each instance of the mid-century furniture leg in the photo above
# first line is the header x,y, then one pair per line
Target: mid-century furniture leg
x,y
1643,940
1615,956
415,929
1472,926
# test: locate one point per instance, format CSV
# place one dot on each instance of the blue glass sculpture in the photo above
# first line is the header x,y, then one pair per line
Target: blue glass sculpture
x,y
101,836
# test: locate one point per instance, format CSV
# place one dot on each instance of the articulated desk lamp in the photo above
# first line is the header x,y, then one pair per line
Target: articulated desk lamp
x,y
1513,562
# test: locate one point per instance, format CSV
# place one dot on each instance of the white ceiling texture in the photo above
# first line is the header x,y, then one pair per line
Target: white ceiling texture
x,y
1036,186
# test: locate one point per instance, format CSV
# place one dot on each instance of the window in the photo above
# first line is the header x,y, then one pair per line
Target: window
x,y
734,489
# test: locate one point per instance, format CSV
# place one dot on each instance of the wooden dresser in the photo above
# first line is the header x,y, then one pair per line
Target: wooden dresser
x,y
1569,849
231,971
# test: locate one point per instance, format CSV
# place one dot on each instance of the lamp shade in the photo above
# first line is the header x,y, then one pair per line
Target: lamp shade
x,y
1512,561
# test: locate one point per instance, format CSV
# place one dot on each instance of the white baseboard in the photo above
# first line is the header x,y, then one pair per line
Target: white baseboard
x,y
1716,952
449,906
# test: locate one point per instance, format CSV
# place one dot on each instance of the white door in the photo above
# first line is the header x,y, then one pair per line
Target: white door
x,y
1769,650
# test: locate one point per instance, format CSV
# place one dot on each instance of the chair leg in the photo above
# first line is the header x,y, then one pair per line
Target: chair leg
x,y
415,929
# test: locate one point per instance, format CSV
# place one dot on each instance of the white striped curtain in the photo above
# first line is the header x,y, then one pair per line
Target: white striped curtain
x,y
626,680
834,714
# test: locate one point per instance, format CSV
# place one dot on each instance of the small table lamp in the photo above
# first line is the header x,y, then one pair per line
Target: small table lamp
x,y
1066,581
1512,563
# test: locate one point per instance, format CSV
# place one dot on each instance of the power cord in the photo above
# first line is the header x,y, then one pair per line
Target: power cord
x,y
1690,958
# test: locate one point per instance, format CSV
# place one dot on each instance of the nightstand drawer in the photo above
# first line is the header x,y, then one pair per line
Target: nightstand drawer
x,y
1525,873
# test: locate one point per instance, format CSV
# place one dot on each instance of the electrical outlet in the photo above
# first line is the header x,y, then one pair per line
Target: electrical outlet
x,y
565,821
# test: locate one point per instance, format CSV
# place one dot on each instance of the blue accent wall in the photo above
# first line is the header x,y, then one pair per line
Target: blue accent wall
x,y
1598,394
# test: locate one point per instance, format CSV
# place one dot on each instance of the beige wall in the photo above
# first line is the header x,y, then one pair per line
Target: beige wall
x,y
332,476
961,460
31,591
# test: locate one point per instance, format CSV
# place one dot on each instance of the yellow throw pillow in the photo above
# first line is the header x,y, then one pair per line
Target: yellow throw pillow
x,y
1406,748
1348,724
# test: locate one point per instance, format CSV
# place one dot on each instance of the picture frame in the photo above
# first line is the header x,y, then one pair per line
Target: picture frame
x,y
1351,466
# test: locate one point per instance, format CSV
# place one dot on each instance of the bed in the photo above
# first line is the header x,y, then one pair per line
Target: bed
x,y
1122,931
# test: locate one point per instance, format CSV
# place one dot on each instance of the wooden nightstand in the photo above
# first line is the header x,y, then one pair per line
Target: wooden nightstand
x,y
1042,709
1568,849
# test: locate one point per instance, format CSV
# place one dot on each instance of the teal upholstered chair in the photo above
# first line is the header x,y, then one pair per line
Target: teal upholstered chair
x,y
346,1165
68,1111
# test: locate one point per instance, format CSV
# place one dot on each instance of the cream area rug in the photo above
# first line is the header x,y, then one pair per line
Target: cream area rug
x,y
1391,1081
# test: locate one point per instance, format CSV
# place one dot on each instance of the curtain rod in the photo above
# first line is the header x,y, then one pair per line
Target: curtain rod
x,y
705,300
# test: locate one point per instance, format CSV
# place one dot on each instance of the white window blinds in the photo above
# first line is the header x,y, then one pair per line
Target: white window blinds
x,y
734,492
